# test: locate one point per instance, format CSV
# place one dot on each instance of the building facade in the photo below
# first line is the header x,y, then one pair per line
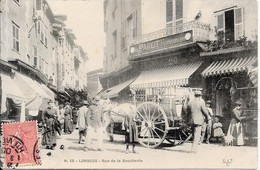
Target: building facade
x,y
37,53
93,82
189,44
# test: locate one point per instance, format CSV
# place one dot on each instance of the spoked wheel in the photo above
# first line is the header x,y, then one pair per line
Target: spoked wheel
x,y
152,124
180,135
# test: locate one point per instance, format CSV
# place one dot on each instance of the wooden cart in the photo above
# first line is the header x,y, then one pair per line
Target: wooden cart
x,y
160,117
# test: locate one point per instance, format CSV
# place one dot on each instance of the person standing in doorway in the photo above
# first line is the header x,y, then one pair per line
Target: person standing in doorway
x,y
236,127
82,120
206,126
197,110
67,118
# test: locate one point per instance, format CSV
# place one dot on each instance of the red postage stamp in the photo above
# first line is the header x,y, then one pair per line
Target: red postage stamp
x,y
20,144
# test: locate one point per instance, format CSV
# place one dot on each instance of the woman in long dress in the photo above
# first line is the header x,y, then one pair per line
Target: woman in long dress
x,y
49,118
236,128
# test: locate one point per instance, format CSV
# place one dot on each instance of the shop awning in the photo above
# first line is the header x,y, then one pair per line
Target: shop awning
x,y
10,88
229,66
166,77
31,86
115,90
48,91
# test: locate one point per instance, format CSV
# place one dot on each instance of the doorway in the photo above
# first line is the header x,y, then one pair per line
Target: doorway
x,y
229,26
224,101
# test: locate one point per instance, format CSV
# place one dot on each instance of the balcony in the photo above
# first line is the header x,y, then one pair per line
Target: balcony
x,y
201,32
169,39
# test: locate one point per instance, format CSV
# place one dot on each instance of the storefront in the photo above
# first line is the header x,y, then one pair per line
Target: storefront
x,y
21,97
228,80
167,65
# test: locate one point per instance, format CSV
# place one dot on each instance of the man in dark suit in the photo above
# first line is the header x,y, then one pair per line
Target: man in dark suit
x,y
197,109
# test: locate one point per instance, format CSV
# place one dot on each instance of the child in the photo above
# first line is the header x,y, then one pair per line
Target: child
x,y
217,126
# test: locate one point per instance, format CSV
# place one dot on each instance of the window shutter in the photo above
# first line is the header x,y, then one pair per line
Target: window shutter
x,y
220,22
169,11
238,23
179,9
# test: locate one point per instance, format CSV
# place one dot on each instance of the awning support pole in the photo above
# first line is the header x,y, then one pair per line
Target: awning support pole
x,y
22,117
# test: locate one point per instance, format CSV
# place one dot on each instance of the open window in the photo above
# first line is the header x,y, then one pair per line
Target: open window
x,y
230,24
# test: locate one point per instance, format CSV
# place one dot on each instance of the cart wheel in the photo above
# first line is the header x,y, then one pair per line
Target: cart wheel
x,y
152,124
181,135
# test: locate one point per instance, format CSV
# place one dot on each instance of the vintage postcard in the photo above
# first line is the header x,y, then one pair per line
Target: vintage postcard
x,y
129,84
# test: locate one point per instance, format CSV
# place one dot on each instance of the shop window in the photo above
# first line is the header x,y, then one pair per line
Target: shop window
x,y
230,24
16,37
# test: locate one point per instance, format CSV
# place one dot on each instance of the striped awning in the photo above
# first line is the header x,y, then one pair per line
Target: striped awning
x,y
166,77
229,66
115,90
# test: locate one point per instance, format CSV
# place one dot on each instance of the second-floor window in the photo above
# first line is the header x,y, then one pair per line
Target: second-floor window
x,y
179,15
169,13
230,24
16,37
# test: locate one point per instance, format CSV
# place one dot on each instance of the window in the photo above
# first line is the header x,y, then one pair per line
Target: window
x,y
46,39
131,26
35,56
15,37
115,43
38,4
238,23
230,23
40,62
123,31
179,15
169,11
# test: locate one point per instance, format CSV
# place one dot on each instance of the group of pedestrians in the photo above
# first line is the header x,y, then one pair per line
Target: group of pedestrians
x,y
201,120
56,118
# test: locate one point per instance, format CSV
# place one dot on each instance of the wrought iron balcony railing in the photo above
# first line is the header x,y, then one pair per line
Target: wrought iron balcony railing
x,y
201,32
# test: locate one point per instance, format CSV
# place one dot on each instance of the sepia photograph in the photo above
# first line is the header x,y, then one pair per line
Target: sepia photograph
x,y
129,84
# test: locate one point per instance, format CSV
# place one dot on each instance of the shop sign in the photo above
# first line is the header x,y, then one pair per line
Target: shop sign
x,y
161,45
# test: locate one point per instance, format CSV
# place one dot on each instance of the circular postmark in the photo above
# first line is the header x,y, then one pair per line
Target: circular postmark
x,y
14,149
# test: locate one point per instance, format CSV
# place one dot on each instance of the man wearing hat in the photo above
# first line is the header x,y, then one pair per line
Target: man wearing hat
x,y
206,127
95,124
82,120
197,110
67,118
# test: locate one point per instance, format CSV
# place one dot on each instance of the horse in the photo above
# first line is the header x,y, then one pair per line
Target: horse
x,y
115,113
